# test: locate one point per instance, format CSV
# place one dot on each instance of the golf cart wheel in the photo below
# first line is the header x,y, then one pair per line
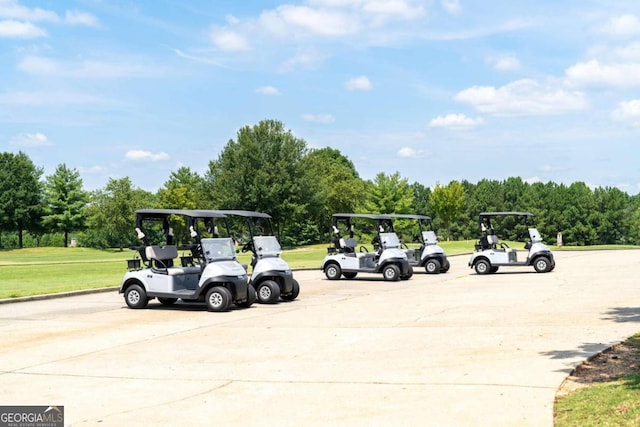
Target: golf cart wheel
x,y
433,266
136,297
350,275
408,275
167,301
218,298
294,293
494,270
482,267
252,296
542,264
332,271
445,267
268,292
391,273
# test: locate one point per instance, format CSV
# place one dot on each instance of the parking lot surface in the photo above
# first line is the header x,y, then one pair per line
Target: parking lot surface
x,y
454,349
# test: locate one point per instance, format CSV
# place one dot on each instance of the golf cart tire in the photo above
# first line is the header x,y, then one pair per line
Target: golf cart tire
x,y
494,269
482,266
445,267
252,296
542,264
432,266
408,275
294,292
218,298
268,292
167,301
136,297
333,271
350,275
391,273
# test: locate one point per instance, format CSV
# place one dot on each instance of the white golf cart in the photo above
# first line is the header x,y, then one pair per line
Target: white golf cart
x,y
211,272
271,276
490,253
429,255
388,258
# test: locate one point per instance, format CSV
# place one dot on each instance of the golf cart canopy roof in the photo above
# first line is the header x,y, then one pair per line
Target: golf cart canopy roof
x,y
247,214
163,213
411,216
367,216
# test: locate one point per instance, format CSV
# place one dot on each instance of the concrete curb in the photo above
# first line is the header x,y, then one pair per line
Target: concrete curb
x,y
58,295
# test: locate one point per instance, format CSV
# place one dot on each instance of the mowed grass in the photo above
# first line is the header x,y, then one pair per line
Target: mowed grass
x,y
38,271
612,403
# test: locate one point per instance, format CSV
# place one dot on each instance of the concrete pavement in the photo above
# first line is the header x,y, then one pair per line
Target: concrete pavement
x,y
454,349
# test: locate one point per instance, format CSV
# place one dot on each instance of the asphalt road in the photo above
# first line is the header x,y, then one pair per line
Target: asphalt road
x,y
453,349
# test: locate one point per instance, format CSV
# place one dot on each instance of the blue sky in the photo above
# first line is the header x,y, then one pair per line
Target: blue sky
x,y
437,90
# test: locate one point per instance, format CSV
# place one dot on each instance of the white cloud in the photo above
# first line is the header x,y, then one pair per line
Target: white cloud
x,y
308,59
75,17
141,155
319,118
39,65
306,21
358,83
532,180
410,153
268,90
31,140
628,111
452,6
228,40
523,97
456,122
20,30
623,25
593,72
11,9
505,62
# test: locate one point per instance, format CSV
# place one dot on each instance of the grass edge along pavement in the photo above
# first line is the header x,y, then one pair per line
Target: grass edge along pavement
x,y
604,390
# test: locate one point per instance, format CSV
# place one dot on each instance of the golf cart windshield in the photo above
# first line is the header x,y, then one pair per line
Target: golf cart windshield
x,y
266,246
389,240
218,249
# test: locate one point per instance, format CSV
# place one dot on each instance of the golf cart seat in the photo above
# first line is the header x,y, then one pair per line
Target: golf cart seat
x,y
347,245
492,240
161,258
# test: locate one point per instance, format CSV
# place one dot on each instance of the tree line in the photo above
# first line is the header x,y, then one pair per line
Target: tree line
x,y
267,169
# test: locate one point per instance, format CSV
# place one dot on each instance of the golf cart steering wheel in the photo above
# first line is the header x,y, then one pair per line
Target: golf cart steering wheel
x,y
504,245
247,247
404,245
363,249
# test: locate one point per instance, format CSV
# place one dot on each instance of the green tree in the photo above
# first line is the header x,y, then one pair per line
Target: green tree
x,y
20,194
181,191
448,202
65,200
389,194
331,185
260,171
111,214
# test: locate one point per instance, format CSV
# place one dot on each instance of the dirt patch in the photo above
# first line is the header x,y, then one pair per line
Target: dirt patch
x,y
609,365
